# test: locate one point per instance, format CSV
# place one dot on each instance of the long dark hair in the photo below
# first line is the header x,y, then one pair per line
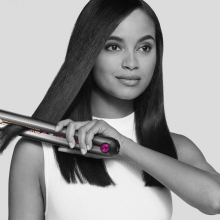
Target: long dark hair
x,y
70,91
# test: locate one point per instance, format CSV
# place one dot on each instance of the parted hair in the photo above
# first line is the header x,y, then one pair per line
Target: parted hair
x,y
69,95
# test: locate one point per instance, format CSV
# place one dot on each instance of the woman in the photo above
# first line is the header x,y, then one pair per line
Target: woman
x,y
94,76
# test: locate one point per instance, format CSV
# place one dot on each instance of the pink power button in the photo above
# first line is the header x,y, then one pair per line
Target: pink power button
x,y
105,148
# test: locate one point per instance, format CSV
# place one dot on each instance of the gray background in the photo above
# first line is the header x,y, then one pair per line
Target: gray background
x,y
33,41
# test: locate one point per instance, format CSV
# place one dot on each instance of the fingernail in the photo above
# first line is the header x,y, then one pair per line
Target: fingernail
x,y
71,145
87,147
83,151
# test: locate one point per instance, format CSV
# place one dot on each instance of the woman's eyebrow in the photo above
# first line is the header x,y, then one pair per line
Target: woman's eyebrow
x,y
146,37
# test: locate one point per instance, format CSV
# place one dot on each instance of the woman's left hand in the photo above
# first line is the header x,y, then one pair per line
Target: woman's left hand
x,y
87,131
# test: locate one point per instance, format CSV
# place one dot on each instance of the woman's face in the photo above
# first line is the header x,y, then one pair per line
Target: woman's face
x,y
129,52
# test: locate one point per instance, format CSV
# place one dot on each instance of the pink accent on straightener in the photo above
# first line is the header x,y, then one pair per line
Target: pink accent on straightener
x,y
105,148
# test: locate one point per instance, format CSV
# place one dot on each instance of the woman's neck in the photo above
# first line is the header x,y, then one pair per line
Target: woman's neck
x,y
107,106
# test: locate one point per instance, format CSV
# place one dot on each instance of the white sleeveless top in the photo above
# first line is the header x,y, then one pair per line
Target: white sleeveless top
x,y
129,199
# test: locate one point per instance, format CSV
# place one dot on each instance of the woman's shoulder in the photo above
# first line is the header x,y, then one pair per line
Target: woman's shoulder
x,y
26,172
28,154
30,149
189,153
178,138
184,146
24,142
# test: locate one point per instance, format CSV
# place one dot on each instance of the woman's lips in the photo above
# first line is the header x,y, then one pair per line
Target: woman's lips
x,y
129,82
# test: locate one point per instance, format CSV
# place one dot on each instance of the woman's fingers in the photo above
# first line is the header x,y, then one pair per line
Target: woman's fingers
x,y
70,134
84,142
61,124
86,131
82,128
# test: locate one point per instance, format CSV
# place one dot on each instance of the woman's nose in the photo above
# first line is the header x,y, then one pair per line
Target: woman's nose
x,y
130,61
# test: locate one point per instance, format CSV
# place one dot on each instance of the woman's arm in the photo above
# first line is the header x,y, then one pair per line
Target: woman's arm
x,y
25,196
193,180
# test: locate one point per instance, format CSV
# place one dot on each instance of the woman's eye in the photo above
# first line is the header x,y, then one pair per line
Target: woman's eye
x,y
146,48
113,46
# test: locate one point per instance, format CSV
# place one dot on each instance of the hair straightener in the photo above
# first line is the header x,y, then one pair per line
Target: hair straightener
x,y
39,130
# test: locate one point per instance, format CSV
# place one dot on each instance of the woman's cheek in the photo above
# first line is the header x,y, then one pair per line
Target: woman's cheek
x,y
103,65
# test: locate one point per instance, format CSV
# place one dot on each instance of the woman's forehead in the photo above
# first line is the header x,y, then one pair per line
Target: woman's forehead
x,y
137,24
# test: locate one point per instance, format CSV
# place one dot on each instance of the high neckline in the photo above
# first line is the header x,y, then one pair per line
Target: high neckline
x,y
112,119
